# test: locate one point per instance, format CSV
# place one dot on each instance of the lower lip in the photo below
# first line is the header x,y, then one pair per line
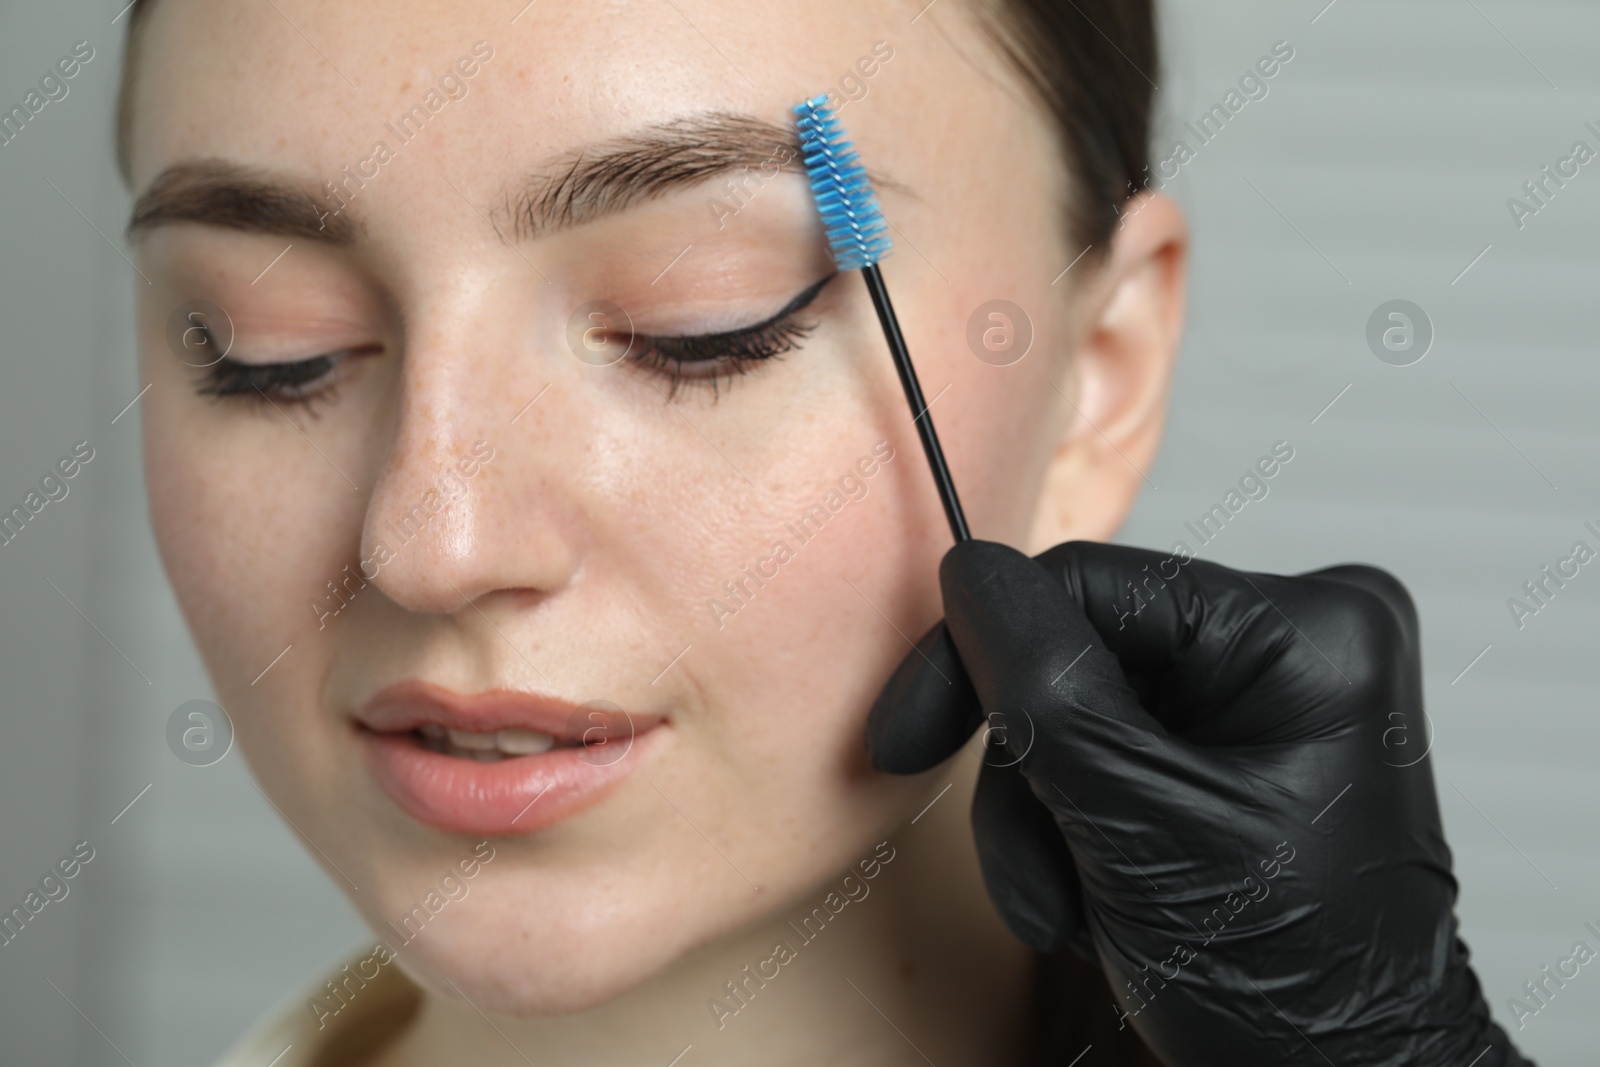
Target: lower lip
x,y
509,796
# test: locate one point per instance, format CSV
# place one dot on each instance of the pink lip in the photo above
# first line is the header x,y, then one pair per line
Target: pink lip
x,y
516,795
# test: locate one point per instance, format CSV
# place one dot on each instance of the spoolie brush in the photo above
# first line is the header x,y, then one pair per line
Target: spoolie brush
x,y
857,238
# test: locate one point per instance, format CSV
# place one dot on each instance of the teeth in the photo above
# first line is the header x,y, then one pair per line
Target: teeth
x,y
517,742
486,748
476,742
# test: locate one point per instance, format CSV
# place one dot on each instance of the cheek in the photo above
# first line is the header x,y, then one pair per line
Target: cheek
x,y
800,661
246,529
999,423
1006,437
790,596
245,548
794,670
796,652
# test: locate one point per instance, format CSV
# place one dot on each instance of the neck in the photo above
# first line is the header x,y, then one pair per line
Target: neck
x,y
886,978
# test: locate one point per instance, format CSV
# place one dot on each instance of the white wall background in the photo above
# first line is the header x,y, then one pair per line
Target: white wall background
x,y
1377,168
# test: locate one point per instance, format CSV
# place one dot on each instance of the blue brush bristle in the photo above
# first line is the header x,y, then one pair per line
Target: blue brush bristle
x,y
856,230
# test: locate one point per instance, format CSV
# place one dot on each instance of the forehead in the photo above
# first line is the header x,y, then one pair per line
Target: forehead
x,y
314,86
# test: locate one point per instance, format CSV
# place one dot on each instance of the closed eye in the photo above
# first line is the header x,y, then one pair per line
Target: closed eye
x,y
707,360
297,381
710,359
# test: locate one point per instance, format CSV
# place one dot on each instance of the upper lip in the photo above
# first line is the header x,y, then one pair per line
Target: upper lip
x,y
410,704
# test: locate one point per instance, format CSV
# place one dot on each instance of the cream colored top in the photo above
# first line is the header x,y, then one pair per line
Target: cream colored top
x,y
293,1035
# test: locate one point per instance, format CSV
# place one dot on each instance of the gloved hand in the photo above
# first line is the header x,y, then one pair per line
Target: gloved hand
x,y
1187,770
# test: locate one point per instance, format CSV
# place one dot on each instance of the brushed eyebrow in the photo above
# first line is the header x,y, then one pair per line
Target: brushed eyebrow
x,y
619,173
215,192
568,190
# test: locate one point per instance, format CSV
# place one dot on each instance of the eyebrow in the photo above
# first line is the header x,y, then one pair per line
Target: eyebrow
x,y
232,196
616,174
568,190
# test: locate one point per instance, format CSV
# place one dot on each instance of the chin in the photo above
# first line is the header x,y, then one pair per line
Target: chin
x,y
505,963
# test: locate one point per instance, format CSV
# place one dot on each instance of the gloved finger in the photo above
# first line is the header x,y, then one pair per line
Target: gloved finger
x,y
1035,661
1381,584
1027,867
927,710
1221,652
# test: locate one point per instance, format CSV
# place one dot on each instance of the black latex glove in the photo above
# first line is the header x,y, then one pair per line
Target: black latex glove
x,y
1191,774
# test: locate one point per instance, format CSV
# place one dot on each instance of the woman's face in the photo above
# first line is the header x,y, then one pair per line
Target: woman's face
x,y
473,515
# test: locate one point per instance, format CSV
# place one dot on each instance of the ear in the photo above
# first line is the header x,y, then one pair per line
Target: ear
x,y
1128,324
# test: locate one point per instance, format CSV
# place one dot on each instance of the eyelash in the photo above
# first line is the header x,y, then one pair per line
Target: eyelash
x,y
729,354
301,382
716,357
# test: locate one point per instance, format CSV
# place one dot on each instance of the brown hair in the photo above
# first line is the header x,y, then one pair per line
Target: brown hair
x,y
1090,62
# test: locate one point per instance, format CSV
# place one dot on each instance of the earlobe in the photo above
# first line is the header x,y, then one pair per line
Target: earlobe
x,y
1115,382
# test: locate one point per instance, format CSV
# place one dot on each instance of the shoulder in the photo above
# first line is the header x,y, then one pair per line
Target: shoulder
x,y
342,1016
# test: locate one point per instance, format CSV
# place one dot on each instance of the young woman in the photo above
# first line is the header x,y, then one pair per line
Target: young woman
x,y
502,383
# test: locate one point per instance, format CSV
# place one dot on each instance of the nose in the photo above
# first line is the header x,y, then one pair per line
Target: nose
x,y
468,502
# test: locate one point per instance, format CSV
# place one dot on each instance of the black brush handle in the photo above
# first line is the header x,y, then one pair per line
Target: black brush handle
x,y
919,407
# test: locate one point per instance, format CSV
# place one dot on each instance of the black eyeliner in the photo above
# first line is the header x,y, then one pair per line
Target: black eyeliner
x,y
731,352
799,303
